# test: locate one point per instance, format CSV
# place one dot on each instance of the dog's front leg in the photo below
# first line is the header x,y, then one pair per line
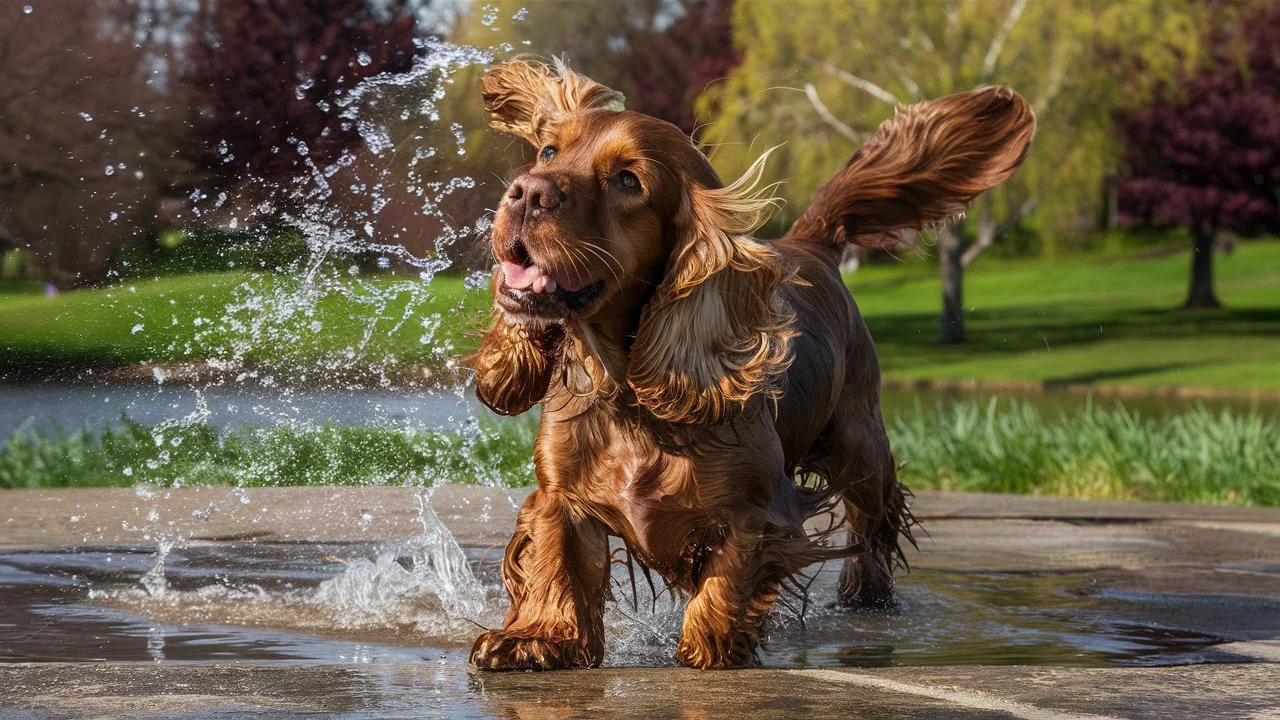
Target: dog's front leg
x,y
556,572
722,620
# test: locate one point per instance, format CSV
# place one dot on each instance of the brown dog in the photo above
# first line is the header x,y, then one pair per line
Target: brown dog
x,y
690,375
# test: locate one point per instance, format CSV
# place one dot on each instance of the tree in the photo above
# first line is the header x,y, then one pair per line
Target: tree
x,y
1206,154
672,65
267,76
820,76
85,139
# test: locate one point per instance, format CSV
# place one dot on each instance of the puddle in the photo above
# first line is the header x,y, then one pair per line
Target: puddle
x,y
370,603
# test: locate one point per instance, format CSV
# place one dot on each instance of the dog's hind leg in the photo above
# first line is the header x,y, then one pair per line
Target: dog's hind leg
x,y
556,571
861,469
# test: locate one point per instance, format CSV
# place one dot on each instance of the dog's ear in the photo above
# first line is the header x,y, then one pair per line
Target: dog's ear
x,y
923,166
523,97
714,334
513,365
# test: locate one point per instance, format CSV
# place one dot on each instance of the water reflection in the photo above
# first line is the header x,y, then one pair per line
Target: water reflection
x,y
267,601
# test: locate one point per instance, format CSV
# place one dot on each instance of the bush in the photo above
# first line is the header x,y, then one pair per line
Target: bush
x,y
177,252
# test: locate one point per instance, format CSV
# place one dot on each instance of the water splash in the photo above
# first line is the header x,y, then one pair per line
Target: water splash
x,y
433,590
153,581
276,331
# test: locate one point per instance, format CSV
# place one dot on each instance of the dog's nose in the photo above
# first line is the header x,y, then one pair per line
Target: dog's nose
x,y
539,193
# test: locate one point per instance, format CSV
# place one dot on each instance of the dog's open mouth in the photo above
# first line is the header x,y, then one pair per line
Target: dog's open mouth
x,y
532,290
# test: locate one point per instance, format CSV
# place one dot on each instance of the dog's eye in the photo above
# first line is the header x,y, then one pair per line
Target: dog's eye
x,y
628,180
547,153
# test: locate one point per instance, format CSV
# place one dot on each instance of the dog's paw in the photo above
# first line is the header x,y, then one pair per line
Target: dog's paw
x,y
716,654
505,650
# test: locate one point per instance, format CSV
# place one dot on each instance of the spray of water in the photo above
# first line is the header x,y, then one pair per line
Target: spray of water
x,y
423,584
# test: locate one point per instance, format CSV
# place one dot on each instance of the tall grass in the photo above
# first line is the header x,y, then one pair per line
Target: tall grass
x,y
1113,453
1095,452
197,454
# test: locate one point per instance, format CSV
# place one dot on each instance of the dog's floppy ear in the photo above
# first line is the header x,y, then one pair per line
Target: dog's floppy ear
x,y
524,96
714,334
923,166
513,365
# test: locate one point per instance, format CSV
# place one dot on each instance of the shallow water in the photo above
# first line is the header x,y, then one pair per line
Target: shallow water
x,y
371,603
73,406
70,407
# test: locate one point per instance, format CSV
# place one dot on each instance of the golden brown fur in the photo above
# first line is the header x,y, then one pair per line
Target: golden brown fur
x,y
688,374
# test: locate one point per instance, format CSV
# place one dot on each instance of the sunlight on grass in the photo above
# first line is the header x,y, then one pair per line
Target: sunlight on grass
x,y
1112,453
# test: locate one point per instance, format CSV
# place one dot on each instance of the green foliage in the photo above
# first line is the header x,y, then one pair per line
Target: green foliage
x,y
196,454
213,250
1075,61
1096,452
1099,453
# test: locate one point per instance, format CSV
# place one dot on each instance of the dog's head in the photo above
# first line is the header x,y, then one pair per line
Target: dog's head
x,y
620,218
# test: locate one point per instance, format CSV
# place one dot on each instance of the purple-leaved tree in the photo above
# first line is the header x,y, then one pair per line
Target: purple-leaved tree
x,y
672,66
1207,155
268,75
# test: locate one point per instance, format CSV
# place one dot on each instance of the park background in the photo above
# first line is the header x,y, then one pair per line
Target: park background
x,y
281,204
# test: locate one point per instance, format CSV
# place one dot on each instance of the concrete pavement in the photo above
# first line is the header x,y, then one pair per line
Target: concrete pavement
x,y
1206,572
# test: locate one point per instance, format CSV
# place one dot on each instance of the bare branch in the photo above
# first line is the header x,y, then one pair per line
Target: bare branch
x,y
1001,37
911,85
1057,72
989,232
828,117
866,86
926,41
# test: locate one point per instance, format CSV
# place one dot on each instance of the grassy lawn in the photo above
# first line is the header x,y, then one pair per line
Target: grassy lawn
x,y
274,320
1097,452
1081,320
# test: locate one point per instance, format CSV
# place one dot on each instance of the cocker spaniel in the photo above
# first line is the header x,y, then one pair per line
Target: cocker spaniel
x,y
694,380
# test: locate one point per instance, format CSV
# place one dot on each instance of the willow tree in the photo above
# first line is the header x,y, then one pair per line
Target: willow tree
x,y
821,76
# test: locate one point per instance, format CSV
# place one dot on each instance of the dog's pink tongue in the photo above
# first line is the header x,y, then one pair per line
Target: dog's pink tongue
x,y
521,278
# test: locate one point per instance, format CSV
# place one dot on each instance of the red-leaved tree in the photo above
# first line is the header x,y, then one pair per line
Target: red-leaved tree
x,y
1207,156
268,76
85,134
672,65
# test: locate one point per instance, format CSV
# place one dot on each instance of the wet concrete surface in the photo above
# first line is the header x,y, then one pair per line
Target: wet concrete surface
x,y
1016,607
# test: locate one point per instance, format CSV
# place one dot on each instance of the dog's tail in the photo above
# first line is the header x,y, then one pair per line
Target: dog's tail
x,y
922,166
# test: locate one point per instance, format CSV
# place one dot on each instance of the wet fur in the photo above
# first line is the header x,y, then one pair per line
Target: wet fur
x,y
680,415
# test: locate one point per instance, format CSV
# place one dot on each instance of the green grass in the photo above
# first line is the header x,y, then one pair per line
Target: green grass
x,y
185,317
1074,320
1083,320
1097,452
196,454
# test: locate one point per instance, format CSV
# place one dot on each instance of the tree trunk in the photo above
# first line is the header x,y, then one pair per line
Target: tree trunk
x,y
950,261
1200,294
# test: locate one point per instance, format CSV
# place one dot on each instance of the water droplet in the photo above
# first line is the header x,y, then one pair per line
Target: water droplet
x,y
109,170
26,9
490,15
136,329
363,58
521,14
